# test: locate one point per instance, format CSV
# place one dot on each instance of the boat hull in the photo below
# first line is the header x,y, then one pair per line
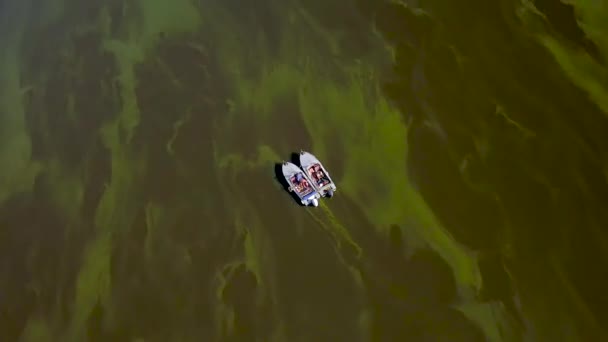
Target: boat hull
x,y
300,184
319,176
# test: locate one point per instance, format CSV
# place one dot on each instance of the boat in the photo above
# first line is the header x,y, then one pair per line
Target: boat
x,y
318,174
300,184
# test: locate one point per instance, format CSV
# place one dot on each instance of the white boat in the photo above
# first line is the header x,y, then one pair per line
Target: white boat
x,y
318,174
300,184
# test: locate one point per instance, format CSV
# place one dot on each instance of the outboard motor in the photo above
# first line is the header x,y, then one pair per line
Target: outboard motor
x,y
329,193
315,202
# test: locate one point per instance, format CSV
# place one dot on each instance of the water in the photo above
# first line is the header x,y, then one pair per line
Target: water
x,y
139,139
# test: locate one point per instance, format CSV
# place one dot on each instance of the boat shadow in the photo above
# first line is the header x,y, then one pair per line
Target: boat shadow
x,y
278,175
295,158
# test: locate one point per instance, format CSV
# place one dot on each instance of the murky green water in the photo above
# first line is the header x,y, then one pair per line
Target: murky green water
x,y
468,142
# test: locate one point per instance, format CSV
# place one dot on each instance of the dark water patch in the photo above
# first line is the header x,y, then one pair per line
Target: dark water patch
x,y
315,292
14,316
122,14
434,279
325,13
594,179
586,271
582,254
588,139
475,221
63,256
67,126
396,244
401,24
132,291
98,173
351,32
96,99
411,299
32,249
287,132
35,121
187,64
193,143
161,180
130,250
42,46
523,95
256,20
537,280
452,98
58,123
481,18
180,98
161,104
97,330
409,103
168,292
406,295
117,13
284,134
206,250
171,86
485,61
195,138
498,285
422,280
531,68
520,166
448,324
241,294
362,231
245,135
18,235
419,80
563,20
398,22
56,102
529,207
44,40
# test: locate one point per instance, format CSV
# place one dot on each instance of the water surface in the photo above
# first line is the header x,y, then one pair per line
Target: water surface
x,y
138,199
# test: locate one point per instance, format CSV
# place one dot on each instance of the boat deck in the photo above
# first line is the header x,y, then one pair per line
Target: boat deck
x,y
303,188
318,175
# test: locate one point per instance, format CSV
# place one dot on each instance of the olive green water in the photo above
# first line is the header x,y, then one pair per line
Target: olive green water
x,y
468,142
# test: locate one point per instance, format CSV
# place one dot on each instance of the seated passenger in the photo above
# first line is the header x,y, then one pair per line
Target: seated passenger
x,y
313,175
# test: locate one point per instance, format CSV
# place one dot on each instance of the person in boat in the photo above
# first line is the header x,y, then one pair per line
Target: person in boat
x,y
296,182
313,174
320,177
311,171
301,183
